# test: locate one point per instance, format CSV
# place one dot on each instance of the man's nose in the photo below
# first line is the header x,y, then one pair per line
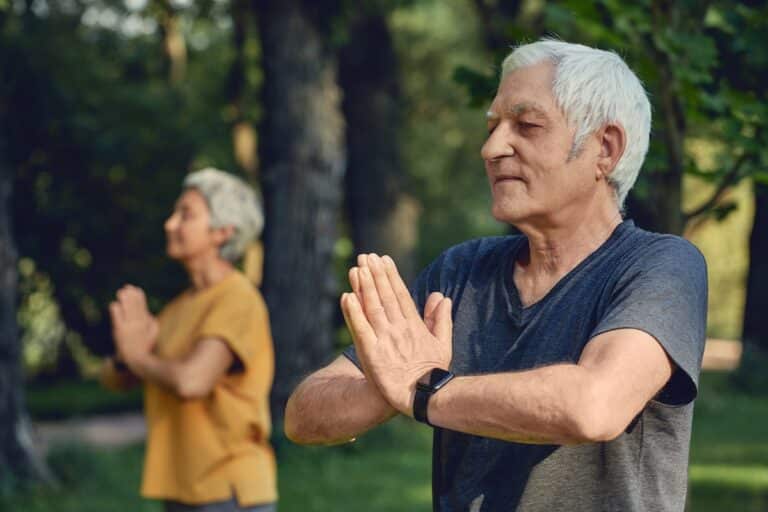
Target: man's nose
x,y
498,144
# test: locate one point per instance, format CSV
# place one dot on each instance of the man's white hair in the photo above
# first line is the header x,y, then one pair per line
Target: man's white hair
x,y
593,87
231,202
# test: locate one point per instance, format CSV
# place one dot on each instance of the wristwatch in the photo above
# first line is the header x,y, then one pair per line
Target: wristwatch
x,y
429,384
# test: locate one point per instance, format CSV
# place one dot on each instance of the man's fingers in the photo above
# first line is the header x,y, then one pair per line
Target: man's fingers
x,y
403,295
430,308
371,304
363,333
362,260
389,300
354,281
443,329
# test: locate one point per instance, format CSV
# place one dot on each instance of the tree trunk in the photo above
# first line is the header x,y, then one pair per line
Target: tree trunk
x,y
174,45
382,217
18,461
755,321
302,167
243,132
666,191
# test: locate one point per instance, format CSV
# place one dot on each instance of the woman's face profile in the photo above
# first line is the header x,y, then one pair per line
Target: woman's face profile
x,y
188,230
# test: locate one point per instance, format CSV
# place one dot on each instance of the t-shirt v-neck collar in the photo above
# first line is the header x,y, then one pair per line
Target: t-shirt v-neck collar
x,y
515,308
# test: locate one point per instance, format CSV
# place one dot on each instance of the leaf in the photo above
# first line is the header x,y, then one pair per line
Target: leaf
x,y
760,178
480,87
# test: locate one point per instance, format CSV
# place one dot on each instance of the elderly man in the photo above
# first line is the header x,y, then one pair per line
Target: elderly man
x,y
558,368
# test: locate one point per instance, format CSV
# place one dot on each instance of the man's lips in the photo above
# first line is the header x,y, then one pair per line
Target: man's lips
x,y
503,179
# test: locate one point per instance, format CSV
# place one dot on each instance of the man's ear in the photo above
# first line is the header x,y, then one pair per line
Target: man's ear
x,y
613,142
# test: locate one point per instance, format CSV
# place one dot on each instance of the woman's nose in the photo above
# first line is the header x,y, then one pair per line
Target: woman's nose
x,y
170,223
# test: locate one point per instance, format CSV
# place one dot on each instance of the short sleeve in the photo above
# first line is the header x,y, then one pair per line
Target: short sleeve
x,y
664,293
240,319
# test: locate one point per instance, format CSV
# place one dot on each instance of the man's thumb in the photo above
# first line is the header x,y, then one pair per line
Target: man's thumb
x,y
443,328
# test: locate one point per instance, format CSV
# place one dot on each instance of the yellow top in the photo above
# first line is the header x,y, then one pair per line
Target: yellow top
x,y
205,450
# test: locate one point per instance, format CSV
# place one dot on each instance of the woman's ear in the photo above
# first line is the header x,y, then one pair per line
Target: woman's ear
x,y
223,234
613,141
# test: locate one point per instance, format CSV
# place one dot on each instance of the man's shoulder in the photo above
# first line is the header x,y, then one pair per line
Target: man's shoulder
x,y
655,249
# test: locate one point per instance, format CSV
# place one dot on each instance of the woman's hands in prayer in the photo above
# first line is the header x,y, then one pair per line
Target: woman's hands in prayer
x,y
134,329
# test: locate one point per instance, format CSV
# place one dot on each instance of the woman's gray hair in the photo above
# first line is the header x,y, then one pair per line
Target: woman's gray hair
x,y
593,87
231,202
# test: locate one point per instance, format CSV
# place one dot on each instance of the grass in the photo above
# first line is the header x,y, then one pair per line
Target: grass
x,y
78,398
389,469
729,449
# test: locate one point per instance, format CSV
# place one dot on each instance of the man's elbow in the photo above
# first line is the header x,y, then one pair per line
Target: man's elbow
x,y
597,423
295,424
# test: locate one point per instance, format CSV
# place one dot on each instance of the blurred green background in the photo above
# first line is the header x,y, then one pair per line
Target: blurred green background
x,y
361,126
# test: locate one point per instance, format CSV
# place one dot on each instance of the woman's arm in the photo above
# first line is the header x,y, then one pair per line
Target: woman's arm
x,y
117,379
193,376
135,332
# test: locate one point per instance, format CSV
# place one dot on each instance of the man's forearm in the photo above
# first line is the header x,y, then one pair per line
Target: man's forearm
x,y
548,405
334,409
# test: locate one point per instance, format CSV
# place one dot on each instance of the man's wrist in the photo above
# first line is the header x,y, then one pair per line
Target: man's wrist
x,y
426,387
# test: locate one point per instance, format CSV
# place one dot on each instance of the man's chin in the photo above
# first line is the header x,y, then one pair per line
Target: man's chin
x,y
507,215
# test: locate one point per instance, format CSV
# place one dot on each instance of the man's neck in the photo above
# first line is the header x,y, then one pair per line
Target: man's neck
x,y
556,249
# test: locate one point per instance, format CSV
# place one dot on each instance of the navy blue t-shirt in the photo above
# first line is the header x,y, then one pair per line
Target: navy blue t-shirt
x,y
636,279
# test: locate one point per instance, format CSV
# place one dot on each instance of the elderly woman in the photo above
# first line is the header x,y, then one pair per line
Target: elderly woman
x,y
206,360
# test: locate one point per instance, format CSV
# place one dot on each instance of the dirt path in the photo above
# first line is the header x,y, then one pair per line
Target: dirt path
x,y
107,431
721,354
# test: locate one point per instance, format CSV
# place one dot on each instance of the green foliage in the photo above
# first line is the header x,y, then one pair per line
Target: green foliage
x,y
68,399
100,141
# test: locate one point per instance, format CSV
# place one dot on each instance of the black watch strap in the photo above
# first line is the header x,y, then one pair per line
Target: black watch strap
x,y
427,386
420,403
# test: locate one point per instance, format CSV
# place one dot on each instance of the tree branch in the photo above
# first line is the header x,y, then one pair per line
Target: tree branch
x,y
731,178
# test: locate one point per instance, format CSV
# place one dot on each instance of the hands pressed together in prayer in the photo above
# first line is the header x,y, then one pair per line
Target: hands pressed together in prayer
x,y
394,344
134,329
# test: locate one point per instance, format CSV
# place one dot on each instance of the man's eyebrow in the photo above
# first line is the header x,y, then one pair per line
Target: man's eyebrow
x,y
529,106
518,109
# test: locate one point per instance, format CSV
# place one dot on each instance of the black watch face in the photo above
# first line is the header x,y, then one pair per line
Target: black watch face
x,y
438,378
